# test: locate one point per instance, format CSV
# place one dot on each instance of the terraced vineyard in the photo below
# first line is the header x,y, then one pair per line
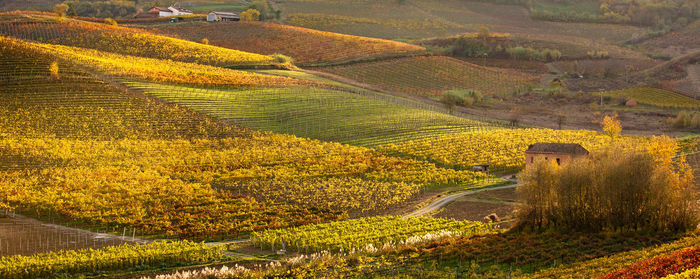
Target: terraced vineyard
x,y
656,97
87,261
431,76
122,40
502,149
158,70
367,233
331,115
304,45
140,164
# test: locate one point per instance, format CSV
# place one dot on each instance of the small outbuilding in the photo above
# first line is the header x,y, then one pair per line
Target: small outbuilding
x,y
560,152
222,16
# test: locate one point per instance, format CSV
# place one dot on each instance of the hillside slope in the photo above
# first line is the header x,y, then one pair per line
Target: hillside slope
x,y
304,45
431,76
129,41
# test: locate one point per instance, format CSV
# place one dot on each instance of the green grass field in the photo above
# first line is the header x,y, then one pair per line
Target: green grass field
x,y
324,114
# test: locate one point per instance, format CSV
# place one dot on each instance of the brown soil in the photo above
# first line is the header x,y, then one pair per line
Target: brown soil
x,y
475,207
472,210
406,207
503,195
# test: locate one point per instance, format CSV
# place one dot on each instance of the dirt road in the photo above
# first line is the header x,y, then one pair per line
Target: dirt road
x,y
448,199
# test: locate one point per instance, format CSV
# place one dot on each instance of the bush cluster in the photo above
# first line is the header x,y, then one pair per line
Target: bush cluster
x,y
611,191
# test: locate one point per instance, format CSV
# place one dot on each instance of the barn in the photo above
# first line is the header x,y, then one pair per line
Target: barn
x,y
560,152
222,16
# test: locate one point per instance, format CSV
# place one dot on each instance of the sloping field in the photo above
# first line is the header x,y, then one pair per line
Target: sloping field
x,y
656,97
431,76
302,44
160,70
325,114
437,18
122,40
89,152
415,18
503,149
677,42
371,18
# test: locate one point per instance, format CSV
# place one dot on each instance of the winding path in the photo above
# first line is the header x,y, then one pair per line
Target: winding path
x,y
448,199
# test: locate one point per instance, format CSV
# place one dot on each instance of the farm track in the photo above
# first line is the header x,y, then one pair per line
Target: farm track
x,y
442,202
694,77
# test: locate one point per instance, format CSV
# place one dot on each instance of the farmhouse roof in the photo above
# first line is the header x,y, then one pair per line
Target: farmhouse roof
x,y
557,148
223,13
180,9
161,9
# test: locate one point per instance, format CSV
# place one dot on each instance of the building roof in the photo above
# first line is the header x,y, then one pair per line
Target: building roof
x,y
179,9
161,9
223,13
557,148
146,14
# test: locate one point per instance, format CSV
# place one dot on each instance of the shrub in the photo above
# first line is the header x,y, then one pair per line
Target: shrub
x,y
469,48
598,54
611,126
204,41
612,190
60,10
686,119
463,98
53,70
262,7
110,21
250,15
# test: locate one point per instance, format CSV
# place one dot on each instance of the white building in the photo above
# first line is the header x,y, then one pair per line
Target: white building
x,y
179,11
169,11
222,16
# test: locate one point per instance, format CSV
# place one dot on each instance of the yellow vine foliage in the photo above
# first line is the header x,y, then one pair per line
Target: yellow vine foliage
x,y
130,41
152,69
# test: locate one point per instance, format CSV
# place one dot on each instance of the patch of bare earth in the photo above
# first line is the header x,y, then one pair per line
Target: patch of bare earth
x,y
476,207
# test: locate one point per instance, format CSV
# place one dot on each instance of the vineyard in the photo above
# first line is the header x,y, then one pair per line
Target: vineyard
x,y
126,41
304,45
89,261
365,233
138,164
157,70
431,76
121,146
502,149
355,118
655,97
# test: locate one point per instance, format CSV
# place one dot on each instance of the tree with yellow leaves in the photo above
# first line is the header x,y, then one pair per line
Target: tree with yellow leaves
x,y
53,70
611,126
250,15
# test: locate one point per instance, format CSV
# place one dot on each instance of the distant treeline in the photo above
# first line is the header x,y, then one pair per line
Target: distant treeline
x,y
106,9
655,13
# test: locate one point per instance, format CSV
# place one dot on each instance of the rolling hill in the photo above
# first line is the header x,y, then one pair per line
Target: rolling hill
x,y
431,76
46,28
306,46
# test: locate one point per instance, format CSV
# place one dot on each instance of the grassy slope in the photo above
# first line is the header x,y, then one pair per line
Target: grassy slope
x,y
304,45
431,76
330,115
